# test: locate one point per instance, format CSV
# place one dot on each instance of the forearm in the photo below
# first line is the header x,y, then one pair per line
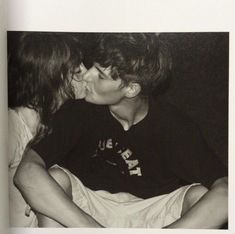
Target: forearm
x,y
45,196
211,211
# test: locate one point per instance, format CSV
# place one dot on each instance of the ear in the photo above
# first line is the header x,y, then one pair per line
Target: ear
x,y
133,89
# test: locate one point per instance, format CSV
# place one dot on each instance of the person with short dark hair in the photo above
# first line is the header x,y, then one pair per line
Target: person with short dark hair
x,y
41,77
131,160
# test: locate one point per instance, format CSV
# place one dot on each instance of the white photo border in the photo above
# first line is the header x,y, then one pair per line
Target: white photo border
x,y
134,16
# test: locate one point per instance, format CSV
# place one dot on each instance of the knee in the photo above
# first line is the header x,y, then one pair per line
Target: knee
x,y
192,196
62,179
221,186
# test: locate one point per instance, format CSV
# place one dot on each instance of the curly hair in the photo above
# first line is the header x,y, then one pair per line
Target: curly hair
x,y
140,57
38,68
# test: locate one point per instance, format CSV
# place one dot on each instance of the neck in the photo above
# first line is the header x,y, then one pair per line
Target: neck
x,y
130,111
30,118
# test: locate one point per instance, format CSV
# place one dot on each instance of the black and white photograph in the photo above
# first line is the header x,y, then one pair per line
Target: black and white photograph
x,y
117,116
118,129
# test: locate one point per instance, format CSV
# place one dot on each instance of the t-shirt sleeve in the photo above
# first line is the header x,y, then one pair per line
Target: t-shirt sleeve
x,y
190,157
67,127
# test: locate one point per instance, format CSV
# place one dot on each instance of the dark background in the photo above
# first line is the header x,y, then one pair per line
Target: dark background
x,y
200,81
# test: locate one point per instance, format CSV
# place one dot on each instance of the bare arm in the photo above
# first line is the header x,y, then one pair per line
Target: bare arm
x,y
211,211
45,196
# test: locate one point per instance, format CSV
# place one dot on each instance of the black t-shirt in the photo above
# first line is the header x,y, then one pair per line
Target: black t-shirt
x,y
152,158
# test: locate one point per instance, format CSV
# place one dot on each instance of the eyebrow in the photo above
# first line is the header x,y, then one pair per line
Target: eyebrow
x,y
101,71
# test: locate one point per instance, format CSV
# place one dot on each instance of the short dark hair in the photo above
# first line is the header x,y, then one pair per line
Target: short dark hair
x,y
38,69
143,55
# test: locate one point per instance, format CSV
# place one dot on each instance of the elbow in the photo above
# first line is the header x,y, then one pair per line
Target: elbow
x,y
28,178
19,176
25,180
26,174
23,176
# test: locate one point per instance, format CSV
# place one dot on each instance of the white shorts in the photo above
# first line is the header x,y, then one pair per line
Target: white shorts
x,y
123,210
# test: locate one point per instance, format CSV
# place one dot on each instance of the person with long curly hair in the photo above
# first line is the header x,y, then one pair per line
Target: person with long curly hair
x,y
44,70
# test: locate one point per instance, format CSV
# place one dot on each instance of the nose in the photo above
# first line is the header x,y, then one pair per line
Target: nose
x,y
88,75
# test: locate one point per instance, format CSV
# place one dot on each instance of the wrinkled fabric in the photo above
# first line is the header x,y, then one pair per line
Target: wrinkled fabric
x,y
124,210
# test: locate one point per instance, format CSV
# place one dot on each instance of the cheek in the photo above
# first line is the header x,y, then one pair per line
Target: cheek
x,y
108,95
100,90
106,89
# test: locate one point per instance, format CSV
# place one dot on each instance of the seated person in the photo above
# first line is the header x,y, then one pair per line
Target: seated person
x,y
42,69
120,162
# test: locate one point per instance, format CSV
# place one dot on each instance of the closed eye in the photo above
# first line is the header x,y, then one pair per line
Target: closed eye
x,y
76,72
76,75
101,77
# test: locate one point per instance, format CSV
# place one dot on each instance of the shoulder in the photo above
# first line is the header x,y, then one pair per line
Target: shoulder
x,y
172,123
170,114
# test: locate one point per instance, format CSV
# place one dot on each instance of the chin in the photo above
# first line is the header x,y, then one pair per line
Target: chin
x,y
87,99
80,95
91,100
